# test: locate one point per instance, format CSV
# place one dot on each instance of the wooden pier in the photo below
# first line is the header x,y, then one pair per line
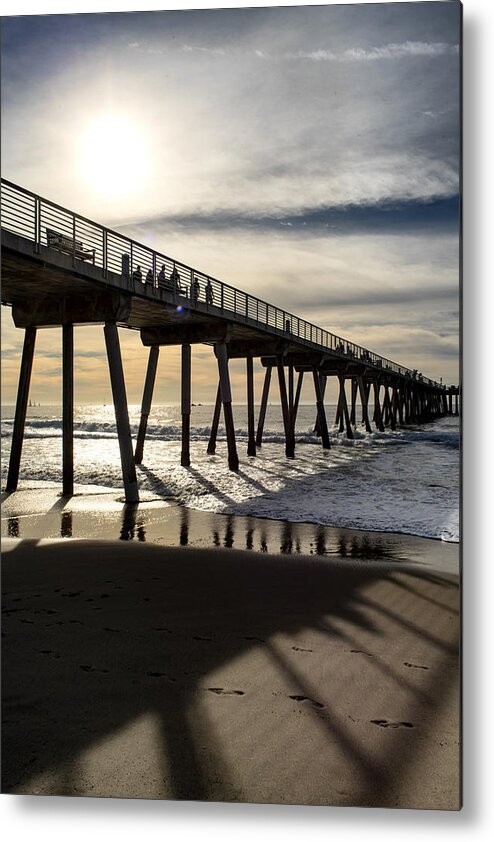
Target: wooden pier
x,y
89,274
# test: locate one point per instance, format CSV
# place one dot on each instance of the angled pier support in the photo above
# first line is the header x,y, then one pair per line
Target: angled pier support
x,y
287,419
215,423
264,403
121,412
321,414
298,391
324,380
345,415
377,408
251,444
364,399
68,410
186,393
147,398
226,398
21,408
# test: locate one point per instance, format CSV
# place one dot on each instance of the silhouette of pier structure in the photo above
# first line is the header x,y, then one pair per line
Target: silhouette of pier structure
x,y
60,269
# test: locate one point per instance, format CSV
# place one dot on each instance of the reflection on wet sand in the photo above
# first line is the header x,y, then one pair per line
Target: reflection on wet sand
x,y
66,525
131,526
179,526
13,527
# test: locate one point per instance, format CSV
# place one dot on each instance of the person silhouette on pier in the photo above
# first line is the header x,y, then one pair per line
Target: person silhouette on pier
x,y
137,275
196,291
162,277
150,277
209,292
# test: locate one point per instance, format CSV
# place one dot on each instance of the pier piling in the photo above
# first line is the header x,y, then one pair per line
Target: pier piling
x,y
215,422
321,414
287,420
264,403
147,398
251,443
21,408
186,393
68,410
121,412
226,398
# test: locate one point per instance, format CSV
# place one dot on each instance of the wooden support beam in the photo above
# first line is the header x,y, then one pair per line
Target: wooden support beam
x,y
147,398
399,403
377,408
324,380
226,398
251,444
385,407
354,401
300,380
264,403
344,406
186,393
121,412
215,422
21,408
287,421
68,410
321,414
450,402
290,391
456,403
364,398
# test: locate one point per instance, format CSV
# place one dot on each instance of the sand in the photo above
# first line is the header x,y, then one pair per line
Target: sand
x,y
135,670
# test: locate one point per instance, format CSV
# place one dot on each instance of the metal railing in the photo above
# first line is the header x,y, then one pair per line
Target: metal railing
x,y
31,216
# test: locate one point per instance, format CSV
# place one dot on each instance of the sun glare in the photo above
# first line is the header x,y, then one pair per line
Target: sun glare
x,y
114,158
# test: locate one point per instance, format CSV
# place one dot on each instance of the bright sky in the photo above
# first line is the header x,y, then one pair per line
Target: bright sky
x,y
308,155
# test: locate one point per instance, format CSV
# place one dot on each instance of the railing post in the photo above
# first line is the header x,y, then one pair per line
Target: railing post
x,y
105,252
73,239
37,225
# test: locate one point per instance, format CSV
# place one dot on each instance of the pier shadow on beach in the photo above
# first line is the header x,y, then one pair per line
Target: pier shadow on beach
x,y
140,671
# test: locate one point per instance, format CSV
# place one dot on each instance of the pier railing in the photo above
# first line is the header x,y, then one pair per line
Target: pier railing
x,y
35,218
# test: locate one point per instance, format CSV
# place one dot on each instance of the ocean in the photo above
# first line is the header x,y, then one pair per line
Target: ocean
x,y
403,481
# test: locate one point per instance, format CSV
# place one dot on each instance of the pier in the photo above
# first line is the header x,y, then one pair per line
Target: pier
x,y
60,269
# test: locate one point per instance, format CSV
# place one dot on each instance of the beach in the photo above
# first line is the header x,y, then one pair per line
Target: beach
x,y
132,669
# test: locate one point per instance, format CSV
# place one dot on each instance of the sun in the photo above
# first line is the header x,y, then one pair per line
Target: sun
x,y
113,156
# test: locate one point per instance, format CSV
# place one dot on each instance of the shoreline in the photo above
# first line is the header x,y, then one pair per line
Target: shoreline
x,y
99,513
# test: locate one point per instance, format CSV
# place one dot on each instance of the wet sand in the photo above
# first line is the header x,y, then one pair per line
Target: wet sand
x,y
131,669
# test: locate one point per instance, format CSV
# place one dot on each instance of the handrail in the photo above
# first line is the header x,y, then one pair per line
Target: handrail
x,y
31,219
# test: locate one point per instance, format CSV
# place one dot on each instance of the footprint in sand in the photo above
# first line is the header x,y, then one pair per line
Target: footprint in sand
x,y
386,723
306,699
221,692
91,668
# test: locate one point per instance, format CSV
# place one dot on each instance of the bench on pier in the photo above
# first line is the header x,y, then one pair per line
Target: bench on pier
x,y
61,242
